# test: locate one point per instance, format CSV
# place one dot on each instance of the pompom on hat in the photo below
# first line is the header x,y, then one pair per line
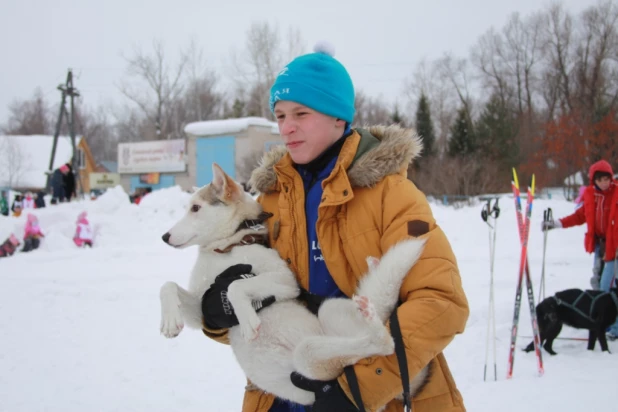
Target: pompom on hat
x,y
316,80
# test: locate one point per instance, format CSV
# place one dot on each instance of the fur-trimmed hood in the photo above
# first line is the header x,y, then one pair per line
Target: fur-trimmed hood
x,y
382,151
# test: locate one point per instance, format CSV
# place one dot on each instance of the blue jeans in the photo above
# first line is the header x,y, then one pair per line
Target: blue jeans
x,y
606,285
597,267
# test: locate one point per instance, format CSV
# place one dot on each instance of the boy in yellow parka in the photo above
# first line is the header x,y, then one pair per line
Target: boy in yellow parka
x,y
338,195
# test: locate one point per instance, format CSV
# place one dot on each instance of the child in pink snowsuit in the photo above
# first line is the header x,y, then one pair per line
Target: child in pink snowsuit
x,y
83,232
9,246
32,234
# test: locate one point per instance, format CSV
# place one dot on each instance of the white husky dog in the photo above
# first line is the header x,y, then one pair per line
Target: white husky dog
x,y
283,337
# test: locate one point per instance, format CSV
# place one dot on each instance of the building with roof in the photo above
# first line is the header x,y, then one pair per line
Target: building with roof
x,y
234,144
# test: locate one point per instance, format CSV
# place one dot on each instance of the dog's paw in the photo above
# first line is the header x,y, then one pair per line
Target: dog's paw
x,y
365,307
171,317
372,262
171,322
250,328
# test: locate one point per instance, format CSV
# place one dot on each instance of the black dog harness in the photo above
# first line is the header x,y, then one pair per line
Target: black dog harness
x,y
594,299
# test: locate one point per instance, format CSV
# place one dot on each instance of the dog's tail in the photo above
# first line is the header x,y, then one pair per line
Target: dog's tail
x,y
383,280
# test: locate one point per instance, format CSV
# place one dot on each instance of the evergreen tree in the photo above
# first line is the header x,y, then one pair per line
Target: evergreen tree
x,y
424,126
396,117
238,108
496,131
462,141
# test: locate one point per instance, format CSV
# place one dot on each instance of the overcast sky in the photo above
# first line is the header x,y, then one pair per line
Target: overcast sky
x,y
379,41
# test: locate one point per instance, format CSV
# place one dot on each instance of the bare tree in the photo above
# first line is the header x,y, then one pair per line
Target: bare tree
x,y
456,72
596,54
493,72
14,162
370,111
31,116
256,66
130,124
442,99
522,52
163,87
201,101
559,54
95,126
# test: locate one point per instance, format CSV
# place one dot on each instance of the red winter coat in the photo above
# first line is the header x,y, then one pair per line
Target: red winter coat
x,y
612,230
596,209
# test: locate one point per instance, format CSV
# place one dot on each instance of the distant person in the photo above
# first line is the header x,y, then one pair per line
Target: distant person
x,y
4,203
28,202
39,199
32,234
579,200
9,246
17,206
69,183
83,232
595,213
58,184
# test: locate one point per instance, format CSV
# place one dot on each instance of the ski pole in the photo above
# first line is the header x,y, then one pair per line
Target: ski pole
x,y
547,217
487,213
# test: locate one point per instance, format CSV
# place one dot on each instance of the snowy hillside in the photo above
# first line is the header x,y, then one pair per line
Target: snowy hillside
x,y
79,329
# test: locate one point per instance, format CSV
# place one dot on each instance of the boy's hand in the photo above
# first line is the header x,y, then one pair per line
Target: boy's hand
x,y
329,396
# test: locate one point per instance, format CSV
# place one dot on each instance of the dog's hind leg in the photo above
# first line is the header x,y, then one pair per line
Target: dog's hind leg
x,y
353,332
324,357
551,332
177,307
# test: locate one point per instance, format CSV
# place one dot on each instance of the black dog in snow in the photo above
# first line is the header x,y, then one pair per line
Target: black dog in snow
x,y
591,309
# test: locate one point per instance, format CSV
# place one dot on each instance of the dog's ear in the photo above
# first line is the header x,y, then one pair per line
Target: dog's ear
x,y
225,187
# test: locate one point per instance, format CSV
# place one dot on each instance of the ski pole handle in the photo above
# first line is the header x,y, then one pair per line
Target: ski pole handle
x,y
496,210
485,212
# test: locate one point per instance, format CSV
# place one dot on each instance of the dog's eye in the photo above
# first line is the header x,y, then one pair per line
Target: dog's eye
x,y
195,208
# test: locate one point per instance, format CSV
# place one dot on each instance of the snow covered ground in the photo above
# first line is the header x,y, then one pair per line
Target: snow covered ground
x,y
79,329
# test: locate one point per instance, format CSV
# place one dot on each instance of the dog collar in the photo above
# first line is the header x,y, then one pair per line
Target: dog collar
x,y
246,240
250,239
254,224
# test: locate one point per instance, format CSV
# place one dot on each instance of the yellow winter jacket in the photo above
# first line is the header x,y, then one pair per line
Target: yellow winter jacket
x,y
368,205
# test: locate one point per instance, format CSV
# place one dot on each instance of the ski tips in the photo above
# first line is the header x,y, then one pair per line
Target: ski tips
x,y
515,178
532,188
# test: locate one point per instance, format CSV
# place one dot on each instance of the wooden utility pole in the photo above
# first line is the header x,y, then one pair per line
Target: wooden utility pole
x,y
66,90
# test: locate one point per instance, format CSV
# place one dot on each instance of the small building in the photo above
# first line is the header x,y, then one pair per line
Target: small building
x,y
234,144
24,161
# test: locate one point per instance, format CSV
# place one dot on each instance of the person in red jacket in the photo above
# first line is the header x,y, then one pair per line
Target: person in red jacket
x,y
595,213
610,271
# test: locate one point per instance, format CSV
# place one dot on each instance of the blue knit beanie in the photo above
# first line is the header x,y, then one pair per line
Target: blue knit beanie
x,y
318,81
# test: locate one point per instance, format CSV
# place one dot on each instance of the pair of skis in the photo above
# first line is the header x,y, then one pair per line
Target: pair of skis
x,y
523,223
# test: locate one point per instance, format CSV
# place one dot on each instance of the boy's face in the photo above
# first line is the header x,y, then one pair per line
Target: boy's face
x,y
305,132
603,182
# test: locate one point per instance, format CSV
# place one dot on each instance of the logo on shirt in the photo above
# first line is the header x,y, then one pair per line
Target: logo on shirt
x,y
316,246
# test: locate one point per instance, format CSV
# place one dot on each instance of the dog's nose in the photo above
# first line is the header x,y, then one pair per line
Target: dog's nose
x,y
166,237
